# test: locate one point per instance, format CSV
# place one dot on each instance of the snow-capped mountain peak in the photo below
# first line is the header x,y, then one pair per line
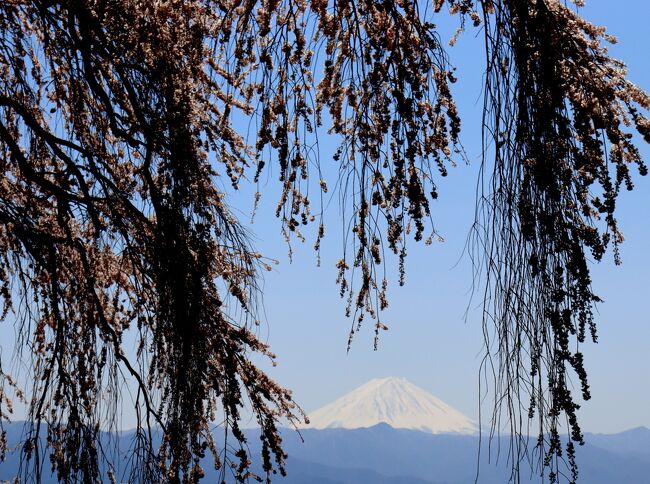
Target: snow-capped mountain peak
x,y
396,402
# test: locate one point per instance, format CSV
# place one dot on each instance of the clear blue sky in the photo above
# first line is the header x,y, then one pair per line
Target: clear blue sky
x,y
429,341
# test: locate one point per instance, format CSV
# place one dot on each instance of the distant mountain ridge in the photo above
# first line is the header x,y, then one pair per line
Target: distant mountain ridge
x,y
384,455
389,431
633,442
393,401
452,458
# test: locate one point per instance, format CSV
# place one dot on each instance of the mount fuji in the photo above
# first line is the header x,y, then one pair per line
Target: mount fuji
x,y
388,431
393,401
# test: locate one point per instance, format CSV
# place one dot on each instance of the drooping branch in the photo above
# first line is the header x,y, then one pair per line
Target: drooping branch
x,y
557,111
112,226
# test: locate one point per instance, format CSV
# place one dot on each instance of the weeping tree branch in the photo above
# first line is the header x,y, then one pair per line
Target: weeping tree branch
x,y
557,111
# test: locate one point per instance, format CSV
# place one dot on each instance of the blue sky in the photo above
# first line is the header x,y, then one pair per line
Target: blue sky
x,y
430,342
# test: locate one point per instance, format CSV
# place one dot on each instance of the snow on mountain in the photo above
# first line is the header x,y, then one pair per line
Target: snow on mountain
x,y
396,402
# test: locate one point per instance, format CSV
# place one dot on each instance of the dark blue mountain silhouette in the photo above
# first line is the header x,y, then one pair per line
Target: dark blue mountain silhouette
x,y
384,455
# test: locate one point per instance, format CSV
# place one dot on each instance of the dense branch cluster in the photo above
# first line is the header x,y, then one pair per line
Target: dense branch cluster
x,y
557,110
113,226
121,136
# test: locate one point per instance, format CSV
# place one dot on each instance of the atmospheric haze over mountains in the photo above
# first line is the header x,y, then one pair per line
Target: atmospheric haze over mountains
x,y
389,431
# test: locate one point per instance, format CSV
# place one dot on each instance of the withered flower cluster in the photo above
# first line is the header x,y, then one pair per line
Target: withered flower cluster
x,y
126,272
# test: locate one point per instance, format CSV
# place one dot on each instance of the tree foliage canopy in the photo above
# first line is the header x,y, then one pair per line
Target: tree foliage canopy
x,y
118,127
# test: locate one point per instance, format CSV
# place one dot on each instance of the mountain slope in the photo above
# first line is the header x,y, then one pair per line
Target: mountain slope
x,y
448,458
634,442
396,402
384,455
303,472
